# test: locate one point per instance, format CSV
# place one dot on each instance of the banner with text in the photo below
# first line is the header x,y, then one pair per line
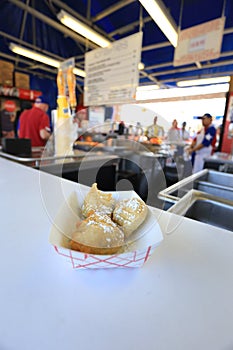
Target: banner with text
x,y
199,43
112,73
19,93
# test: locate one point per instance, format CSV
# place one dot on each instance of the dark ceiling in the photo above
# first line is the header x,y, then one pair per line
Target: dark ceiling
x,y
34,24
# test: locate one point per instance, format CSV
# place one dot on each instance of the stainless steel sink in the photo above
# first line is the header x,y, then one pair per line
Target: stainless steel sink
x,y
208,181
217,190
216,177
205,208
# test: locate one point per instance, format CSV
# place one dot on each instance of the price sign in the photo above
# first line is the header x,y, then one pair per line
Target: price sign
x,y
112,73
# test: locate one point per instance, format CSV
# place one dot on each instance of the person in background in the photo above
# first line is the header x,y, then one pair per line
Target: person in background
x,y
173,134
7,124
184,133
34,123
155,130
121,128
217,147
204,142
24,105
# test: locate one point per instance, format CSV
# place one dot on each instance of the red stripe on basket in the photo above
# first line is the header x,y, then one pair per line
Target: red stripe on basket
x,y
71,258
147,253
123,262
135,255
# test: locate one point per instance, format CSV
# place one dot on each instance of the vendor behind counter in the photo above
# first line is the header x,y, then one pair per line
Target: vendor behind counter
x,y
34,123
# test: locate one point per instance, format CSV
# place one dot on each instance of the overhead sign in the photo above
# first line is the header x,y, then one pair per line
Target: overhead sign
x,y
112,73
199,43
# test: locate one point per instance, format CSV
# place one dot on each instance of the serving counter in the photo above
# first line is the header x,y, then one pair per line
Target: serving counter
x,y
220,161
180,299
106,165
78,166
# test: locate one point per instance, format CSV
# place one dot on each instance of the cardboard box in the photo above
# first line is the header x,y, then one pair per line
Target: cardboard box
x,y
6,77
6,73
4,65
22,81
143,241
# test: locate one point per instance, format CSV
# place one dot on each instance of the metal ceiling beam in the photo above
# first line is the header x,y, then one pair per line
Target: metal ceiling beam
x,y
31,66
191,77
169,64
9,57
52,23
108,11
228,31
161,65
189,69
23,21
149,77
29,63
156,46
42,75
21,42
129,27
22,28
74,13
184,98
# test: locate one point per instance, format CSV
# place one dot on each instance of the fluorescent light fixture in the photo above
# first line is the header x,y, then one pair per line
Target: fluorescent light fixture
x,y
158,13
147,87
34,55
181,92
206,81
20,50
79,72
81,28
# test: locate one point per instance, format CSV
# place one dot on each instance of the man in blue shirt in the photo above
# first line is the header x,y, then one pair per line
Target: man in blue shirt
x,y
204,142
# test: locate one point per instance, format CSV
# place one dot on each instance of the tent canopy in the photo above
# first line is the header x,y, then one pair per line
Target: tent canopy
x,y
34,24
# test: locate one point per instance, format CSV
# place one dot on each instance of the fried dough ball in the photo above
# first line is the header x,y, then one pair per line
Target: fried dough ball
x,y
129,214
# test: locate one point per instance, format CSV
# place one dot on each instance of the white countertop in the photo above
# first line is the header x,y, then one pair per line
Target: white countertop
x,y
182,298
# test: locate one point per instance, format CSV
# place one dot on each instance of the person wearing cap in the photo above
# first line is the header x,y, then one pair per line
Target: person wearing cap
x,y
204,142
34,123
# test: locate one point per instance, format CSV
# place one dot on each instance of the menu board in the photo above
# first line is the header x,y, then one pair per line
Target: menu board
x,y
112,73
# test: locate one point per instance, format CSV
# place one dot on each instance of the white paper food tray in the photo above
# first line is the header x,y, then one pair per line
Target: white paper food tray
x,y
145,239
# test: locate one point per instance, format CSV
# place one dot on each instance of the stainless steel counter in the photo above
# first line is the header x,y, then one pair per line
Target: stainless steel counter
x,y
142,170
220,161
220,157
204,207
78,166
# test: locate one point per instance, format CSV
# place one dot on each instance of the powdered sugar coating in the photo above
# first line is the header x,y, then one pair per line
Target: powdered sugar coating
x,y
129,214
97,201
98,230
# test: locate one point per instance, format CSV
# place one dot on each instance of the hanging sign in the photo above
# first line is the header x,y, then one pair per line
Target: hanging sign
x,y
112,73
199,43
